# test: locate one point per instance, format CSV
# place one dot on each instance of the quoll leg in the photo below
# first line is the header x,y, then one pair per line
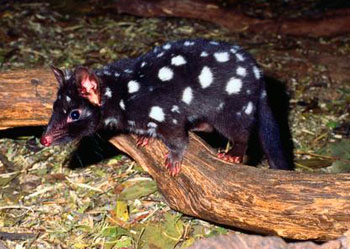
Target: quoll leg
x,y
177,144
239,136
234,155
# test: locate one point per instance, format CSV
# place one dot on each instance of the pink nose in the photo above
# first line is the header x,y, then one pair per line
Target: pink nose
x,y
46,140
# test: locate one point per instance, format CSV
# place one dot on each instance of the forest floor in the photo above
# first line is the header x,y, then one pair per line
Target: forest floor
x,y
57,198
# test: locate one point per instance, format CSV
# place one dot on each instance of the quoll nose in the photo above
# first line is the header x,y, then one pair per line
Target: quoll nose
x,y
46,140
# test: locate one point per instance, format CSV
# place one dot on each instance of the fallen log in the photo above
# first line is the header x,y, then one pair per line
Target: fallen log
x,y
289,204
329,24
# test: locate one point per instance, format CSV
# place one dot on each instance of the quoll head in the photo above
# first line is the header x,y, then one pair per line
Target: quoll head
x,y
76,111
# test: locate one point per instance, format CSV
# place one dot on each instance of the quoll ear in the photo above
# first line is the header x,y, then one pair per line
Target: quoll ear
x,y
58,74
88,85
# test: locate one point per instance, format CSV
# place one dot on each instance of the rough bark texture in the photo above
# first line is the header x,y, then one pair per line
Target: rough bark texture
x,y
330,24
26,97
289,204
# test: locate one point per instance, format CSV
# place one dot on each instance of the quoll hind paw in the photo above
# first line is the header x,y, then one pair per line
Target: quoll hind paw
x,y
143,141
173,167
229,158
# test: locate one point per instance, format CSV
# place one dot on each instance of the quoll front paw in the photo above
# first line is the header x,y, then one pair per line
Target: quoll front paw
x,y
173,166
229,158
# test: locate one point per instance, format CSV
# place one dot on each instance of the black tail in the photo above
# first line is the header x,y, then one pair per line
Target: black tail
x,y
269,135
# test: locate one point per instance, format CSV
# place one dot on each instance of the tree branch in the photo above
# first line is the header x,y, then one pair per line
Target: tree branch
x,y
330,24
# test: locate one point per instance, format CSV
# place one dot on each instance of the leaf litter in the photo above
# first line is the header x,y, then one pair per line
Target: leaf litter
x,y
113,203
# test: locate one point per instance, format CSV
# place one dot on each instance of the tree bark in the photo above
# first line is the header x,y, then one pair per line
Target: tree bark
x,y
26,97
289,204
330,24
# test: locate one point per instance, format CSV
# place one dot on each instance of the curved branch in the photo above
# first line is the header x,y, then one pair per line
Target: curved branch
x,y
289,204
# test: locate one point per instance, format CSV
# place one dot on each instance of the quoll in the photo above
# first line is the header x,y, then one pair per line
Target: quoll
x,y
179,86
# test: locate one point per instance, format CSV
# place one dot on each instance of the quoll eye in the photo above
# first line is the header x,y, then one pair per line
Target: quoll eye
x,y
74,115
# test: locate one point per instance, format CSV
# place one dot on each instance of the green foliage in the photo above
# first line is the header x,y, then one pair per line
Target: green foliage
x,y
163,235
341,151
137,189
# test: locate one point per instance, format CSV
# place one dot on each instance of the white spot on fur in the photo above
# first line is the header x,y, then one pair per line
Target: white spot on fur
x,y
187,95
248,110
238,113
263,94
239,57
128,70
64,111
111,121
234,85
133,86
106,72
241,71
175,108
116,74
214,43
178,60
248,91
256,72
122,105
234,49
108,92
67,74
204,54
68,99
131,122
167,46
165,74
174,121
205,77
143,64
137,131
157,113
160,54
188,43
152,130
222,56
152,125
220,106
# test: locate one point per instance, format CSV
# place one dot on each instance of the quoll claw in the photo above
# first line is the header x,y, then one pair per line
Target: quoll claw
x,y
142,141
172,167
232,159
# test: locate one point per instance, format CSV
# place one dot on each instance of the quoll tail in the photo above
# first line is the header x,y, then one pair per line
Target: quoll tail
x,y
269,135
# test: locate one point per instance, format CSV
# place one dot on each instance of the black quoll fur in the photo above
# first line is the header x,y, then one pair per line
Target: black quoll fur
x,y
180,86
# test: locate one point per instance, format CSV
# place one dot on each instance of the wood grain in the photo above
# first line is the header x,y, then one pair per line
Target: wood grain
x,y
26,97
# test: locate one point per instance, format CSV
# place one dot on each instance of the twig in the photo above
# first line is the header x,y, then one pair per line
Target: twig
x,y
9,167
16,236
17,207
